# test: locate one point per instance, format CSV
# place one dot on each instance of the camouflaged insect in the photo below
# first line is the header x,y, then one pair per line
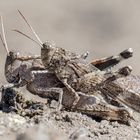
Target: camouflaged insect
x,y
73,72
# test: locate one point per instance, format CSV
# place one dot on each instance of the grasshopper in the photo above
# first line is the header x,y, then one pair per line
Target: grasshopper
x,y
17,69
100,86
65,66
20,70
88,105
92,105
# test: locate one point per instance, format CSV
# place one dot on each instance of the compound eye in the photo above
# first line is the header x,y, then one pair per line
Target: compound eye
x,y
47,45
10,53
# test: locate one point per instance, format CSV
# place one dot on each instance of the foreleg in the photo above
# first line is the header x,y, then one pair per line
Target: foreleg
x,y
71,91
28,57
22,83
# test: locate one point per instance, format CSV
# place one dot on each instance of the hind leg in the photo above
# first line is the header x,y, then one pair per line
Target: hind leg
x,y
108,62
122,72
94,106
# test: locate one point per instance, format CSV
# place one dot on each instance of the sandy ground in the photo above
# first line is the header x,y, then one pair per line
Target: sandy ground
x,y
66,125
61,125
102,28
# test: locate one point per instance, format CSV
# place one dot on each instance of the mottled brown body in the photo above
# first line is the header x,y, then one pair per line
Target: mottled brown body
x,y
44,84
65,65
74,74
87,104
94,105
79,79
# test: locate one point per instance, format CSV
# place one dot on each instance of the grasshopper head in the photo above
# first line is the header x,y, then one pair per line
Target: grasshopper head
x,y
47,52
11,57
11,65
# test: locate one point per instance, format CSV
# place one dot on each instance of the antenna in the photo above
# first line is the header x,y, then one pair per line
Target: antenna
x,y
29,25
15,30
2,41
4,38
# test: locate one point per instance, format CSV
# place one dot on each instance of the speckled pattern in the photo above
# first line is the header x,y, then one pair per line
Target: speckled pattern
x,y
130,83
101,27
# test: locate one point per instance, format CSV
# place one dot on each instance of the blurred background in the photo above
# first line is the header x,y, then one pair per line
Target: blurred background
x,y
103,28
